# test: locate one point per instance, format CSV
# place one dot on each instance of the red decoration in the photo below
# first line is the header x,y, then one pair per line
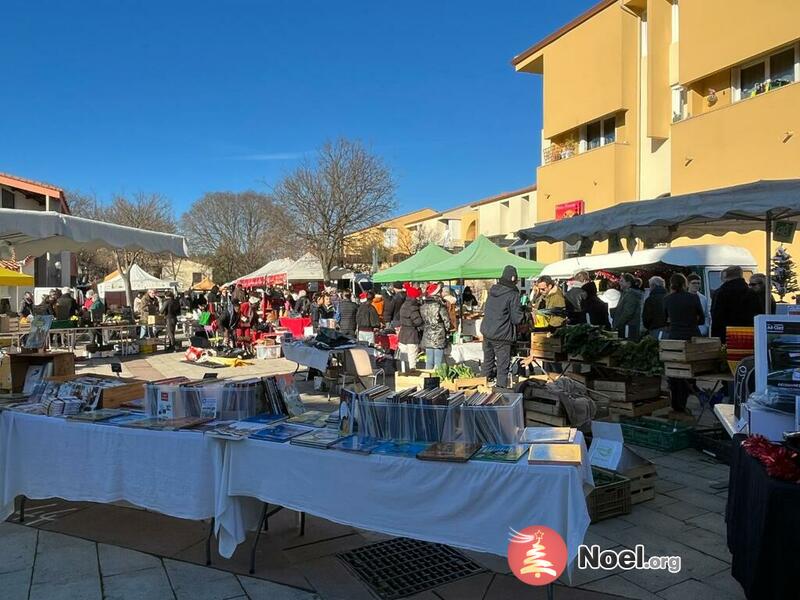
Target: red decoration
x,y
779,461
567,210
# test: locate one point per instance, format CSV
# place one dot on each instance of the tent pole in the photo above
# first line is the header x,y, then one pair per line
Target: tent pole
x,y
768,257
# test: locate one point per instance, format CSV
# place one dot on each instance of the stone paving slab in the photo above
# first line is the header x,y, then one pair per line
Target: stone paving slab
x,y
143,584
193,582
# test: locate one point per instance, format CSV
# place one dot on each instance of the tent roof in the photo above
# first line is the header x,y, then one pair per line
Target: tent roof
x,y
14,278
482,259
309,268
258,276
717,255
140,280
738,209
34,233
404,271
203,286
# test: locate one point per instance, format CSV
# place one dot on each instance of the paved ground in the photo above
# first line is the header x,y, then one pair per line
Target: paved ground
x,y
83,550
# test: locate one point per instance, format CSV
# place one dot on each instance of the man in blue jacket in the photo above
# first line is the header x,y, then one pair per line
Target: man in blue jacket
x,y
502,314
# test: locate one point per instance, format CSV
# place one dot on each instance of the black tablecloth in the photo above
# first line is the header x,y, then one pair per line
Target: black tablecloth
x,y
763,517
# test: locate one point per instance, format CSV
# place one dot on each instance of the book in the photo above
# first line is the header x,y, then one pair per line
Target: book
x,y
501,452
265,418
101,414
554,454
449,451
360,445
318,438
548,435
167,424
407,449
313,418
280,432
122,420
236,430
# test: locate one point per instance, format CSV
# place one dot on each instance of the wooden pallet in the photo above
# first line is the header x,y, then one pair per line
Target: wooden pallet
x,y
546,342
548,355
643,482
533,417
639,408
696,349
607,361
681,370
630,390
585,379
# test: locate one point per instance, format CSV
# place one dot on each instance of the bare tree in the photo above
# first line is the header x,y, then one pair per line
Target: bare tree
x,y
141,211
416,240
236,233
92,264
345,189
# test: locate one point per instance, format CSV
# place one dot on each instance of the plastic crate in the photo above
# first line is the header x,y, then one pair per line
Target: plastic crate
x,y
611,496
64,324
233,400
715,442
267,352
668,436
497,424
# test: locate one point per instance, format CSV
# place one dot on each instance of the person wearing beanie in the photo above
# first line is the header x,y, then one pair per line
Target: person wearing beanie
x,y
436,325
367,319
391,308
502,314
410,329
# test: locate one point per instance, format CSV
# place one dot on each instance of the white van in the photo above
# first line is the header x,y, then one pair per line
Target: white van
x,y
708,261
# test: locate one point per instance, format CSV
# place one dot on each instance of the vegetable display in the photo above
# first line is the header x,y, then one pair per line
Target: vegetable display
x,y
592,343
451,372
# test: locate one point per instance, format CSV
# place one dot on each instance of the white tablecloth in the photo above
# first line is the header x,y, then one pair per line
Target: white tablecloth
x,y
174,473
306,355
468,351
470,505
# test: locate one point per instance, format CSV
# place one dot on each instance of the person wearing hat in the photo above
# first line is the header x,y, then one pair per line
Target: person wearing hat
x,y
502,314
367,319
436,325
410,329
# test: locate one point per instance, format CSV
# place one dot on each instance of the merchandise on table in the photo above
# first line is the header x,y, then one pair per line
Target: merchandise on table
x,y
406,449
101,414
168,424
549,435
318,438
265,418
237,430
213,398
312,418
554,454
501,452
281,432
449,451
359,445
122,420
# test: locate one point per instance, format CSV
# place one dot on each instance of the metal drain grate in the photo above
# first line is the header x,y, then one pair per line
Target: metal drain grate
x,y
402,567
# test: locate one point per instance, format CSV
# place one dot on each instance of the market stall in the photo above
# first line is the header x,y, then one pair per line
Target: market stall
x,y
405,270
112,288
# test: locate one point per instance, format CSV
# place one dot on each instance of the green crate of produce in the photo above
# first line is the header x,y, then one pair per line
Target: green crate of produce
x,y
610,497
66,324
667,436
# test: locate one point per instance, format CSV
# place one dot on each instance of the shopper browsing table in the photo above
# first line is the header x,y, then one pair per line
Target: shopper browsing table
x,y
735,303
502,314
367,320
171,312
628,313
436,325
684,314
410,328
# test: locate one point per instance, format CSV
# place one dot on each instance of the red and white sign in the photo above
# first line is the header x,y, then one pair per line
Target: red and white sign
x,y
537,555
567,210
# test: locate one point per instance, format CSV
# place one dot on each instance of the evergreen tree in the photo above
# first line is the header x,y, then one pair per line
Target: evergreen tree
x,y
784,279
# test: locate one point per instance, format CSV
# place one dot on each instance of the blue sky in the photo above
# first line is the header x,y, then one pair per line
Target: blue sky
x,y
183,97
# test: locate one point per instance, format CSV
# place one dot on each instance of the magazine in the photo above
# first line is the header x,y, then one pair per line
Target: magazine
x,y
281,432
360,445
318,438
407,449
449,451
548,435
501,452
555,454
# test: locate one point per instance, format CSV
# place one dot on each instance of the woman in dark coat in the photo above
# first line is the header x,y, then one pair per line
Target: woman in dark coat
x,y
410,329
594,309
684,315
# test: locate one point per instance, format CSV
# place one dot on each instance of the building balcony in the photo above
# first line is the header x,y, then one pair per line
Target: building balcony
x,y
755,138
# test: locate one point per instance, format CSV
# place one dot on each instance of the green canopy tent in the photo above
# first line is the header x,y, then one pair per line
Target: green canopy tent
x,y
482,259
404,271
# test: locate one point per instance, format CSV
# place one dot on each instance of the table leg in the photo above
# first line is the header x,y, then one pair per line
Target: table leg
x,y
208,542
262,523
22,509
551,591
301,522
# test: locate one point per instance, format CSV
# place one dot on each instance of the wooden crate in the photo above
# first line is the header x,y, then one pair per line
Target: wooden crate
x,y
696,349
5,373
9,324
585,379
643,482
467,383
546,342
607,361
639,408
156,320
680,370
545,407
412,378
548,355
629,390
534,417
133,389
148,346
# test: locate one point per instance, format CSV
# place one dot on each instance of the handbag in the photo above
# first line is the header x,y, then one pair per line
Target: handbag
x,y
205,318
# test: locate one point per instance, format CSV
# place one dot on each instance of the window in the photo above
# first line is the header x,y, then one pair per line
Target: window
x,y
196,278
767,73
8,199
390,238
598,133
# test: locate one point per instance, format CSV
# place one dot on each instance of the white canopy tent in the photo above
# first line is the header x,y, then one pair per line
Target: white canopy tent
x,y
259,276
718,255
309,268
33,233
140,280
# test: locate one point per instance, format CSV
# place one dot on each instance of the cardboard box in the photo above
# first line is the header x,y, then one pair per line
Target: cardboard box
x,y
608,451
156,320
769,423
9,324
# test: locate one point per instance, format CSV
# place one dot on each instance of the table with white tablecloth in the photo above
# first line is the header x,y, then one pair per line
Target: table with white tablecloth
x,y
176,473
468,505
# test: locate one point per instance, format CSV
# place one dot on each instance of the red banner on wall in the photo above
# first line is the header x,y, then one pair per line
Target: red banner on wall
x,y
566,210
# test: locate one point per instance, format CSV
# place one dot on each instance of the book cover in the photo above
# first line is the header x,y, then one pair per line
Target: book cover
x,y
407,449
94,416
122,420
501,452
265,418
282,432
237,430
313,418
554,454
319,438
361,445
547,435
449,451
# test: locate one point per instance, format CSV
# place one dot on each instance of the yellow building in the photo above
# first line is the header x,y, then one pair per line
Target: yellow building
x,y
646,98
390,239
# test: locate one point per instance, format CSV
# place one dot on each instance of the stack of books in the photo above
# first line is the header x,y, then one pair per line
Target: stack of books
x,y
317,438
280,432
449,451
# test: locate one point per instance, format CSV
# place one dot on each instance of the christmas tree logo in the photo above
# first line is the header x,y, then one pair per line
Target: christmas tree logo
x,y
537,555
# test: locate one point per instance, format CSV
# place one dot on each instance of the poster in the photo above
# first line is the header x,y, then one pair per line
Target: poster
x,y
40,327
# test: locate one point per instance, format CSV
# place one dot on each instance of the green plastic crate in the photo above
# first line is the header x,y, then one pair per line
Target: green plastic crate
x,y
65,324
667,436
